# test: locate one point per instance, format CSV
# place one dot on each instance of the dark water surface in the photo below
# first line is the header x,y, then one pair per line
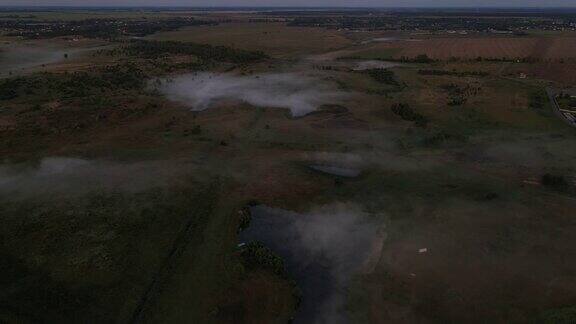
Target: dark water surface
x,y
321,251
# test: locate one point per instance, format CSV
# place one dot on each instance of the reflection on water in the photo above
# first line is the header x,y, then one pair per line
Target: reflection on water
x,y
337,171
322,250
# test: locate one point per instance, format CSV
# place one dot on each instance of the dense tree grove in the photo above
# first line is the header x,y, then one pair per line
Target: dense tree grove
x,y
555,182
453,73
538,99
407,113
458,95
74,85
384,76
158,49
256,255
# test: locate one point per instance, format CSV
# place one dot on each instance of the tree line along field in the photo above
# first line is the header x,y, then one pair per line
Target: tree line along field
x,y
544,48
276,39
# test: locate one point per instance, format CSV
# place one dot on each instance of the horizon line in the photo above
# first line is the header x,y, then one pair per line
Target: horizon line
x,y
287,7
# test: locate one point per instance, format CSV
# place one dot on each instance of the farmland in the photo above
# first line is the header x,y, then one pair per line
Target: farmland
x,y
439,48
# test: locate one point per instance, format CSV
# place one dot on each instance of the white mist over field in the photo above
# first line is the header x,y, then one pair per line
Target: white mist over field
x,y
66,175
299,93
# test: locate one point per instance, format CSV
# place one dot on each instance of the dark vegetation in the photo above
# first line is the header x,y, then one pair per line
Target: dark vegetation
x,y
566,315
458,95
383,76
256,256
95,28
407,113
52,86
555,182
160,49
453,73
48,105
244,217
122,76
444,136
538,100
422,58
566,101
98,241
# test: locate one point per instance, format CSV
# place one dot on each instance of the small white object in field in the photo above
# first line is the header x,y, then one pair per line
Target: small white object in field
x,y
424,250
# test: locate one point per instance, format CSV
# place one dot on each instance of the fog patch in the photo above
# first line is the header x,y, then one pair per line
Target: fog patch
x,y
380,40
355,163
62,175
517,154
20,58
373,64
339,164
344,160
299,93
323,249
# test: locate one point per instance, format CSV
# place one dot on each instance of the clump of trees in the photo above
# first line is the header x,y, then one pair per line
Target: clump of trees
x,y
538,99
256,256
566,101
96,28
443,136
422,58
458,95
565,315
74,85
407,113
244,218
383,76
453,73
159,49
555,182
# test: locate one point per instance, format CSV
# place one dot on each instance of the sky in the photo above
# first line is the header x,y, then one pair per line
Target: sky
x,y
297,3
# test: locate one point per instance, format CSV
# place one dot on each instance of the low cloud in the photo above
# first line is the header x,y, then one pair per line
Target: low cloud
x,y
299,93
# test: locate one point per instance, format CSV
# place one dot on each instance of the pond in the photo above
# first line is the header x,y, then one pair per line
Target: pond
x,y
322,250
337,171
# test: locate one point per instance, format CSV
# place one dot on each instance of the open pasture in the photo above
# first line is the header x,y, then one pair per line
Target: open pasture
x,y
547,48
274,39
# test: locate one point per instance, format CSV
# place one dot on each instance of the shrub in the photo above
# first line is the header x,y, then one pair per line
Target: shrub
x,y
555,182
407,113
257,256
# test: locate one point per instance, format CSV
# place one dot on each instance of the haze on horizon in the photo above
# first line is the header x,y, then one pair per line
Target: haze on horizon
x,y
296,3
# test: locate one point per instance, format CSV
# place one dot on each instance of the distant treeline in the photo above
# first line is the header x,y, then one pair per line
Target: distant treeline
x,y
453,73
423,58
158,49
96,28
14,16
439,23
